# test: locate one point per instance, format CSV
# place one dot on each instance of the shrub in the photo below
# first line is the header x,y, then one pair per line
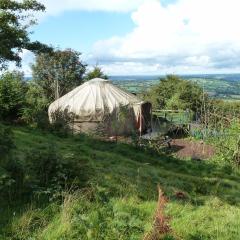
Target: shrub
x,y
35,111
44,169
61,122
6,141
229,143
175,93
16,175
49,174
11,170
12,95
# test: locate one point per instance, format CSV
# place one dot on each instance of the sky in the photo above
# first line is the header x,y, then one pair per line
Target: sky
x,y
144,37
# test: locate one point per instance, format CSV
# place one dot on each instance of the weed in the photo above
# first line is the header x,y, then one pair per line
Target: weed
x,y
161,225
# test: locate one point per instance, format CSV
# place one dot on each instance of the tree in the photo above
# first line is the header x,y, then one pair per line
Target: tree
x,y
173,92
58,72
12,95
35,109
96,73
14,24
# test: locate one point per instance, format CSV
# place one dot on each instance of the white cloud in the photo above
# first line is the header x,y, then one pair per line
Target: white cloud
x,y
188,36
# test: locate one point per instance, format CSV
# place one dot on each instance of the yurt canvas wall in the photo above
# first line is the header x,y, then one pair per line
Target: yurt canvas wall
x,y
98,105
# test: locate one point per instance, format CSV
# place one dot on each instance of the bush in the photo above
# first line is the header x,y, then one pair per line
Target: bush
x,y
230,109
12,95
42,171
61,122
229,143
35,111
6,141
49,174
11,170
175,93
16,175
45,172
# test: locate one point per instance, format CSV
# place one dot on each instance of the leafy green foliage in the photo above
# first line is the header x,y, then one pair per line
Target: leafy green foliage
x,y
6,141
116,192
43,164
14,24
229,109
228,143
12,95
95,73
41,173
175,93
61,122
34,112
223,86
58,72
45,171
11,171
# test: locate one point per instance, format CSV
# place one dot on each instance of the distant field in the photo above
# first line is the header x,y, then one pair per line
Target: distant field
x,y
224,86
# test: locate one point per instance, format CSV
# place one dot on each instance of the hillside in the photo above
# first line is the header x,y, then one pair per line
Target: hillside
x,y
118,194
220,86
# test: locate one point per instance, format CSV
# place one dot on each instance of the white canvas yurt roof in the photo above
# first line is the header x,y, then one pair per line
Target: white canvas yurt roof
x,y
93,99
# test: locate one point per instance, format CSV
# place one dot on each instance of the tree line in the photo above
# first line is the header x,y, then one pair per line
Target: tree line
x,y
56,72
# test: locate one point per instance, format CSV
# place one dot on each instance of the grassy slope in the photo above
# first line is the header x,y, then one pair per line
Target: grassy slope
x,y
122,184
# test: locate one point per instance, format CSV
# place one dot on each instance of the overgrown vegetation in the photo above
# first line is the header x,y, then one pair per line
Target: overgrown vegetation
x,y
54,185
61,123
34,112
174,93
227,138
79,186
12,96
15,21
58,72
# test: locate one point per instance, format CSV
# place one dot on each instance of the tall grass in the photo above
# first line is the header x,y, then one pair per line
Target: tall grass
x,y
118,196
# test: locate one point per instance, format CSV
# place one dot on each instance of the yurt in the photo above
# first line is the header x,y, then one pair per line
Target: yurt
x,y
98,105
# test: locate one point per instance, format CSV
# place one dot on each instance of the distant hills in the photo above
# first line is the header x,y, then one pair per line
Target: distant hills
x,y
223,86
227,77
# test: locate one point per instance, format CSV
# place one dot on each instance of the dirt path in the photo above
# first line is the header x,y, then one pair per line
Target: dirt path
x,y
192,149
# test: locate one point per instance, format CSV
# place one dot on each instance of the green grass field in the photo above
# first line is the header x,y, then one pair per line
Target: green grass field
x,y
119,194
